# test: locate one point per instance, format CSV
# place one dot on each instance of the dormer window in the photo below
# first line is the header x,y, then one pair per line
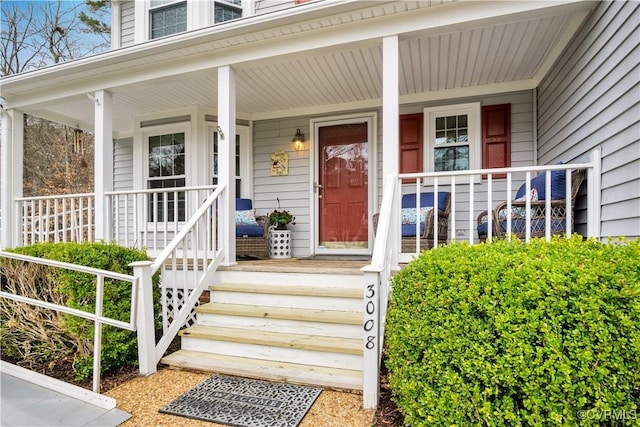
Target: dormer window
x,y
227,10
167,17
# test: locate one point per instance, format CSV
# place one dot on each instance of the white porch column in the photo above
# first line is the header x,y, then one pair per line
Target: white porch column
x,y
103,172
12,152
391,129
226,159
594,191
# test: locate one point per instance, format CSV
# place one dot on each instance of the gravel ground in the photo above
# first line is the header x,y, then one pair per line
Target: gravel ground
x,y
142,397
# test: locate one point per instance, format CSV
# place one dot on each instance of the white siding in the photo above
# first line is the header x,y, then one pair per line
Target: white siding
x,y
591,98
127,36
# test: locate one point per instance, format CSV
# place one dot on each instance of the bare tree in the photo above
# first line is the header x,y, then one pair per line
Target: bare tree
x,y
58,159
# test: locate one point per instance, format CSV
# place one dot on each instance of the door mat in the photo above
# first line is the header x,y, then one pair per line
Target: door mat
x,y
245,402
339,257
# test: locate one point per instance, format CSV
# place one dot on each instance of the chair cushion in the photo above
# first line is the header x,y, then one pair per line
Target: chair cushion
x,y
409,215
247,217
243,204
558,183
409,230
249,231
426,200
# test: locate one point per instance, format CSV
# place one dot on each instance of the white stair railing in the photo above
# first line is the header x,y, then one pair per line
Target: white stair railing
x,y
188,263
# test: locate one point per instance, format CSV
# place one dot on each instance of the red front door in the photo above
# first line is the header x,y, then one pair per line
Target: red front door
x,y
343,186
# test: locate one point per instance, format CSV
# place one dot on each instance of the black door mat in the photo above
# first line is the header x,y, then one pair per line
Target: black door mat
x,y
245,402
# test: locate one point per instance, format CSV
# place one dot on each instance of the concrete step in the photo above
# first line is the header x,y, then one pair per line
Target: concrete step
x,y
295,373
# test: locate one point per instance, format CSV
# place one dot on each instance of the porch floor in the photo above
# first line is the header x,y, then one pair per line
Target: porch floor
x,y
299,265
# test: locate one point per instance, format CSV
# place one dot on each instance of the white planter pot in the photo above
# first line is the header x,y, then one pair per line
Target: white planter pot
x,y
279,243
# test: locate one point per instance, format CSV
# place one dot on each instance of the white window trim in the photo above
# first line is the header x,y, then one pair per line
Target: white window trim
x,y
246,170
164,130
143,14
472,110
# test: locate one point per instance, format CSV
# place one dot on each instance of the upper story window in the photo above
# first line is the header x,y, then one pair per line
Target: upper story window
x,y
227,10
167,17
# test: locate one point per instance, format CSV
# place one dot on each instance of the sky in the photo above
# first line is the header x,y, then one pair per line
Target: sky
x,y
83,43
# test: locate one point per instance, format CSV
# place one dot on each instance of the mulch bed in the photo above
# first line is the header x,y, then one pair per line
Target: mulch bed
x,y
387,414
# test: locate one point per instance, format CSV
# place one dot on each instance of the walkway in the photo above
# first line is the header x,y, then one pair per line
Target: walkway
x,y
23,403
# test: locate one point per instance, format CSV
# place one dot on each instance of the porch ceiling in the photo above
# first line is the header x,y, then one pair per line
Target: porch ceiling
x,y
483,56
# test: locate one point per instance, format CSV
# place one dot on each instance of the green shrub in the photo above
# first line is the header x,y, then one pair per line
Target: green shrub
x,y
510,334
119,346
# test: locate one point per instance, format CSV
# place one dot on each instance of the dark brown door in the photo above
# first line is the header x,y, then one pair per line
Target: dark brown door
x,y
343,186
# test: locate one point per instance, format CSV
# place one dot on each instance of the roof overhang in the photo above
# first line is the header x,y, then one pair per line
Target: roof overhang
x,y
320,57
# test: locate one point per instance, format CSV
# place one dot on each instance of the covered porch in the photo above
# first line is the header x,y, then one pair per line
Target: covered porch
x,y
187,124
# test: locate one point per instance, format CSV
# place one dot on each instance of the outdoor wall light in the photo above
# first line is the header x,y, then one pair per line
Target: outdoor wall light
x,y
298,141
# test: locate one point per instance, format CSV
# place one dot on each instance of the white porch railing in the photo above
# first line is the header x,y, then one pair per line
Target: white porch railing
x,y
470,192
63,218
132,324
188,250
152,218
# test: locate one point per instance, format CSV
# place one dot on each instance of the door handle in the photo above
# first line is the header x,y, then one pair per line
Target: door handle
x,y
317,188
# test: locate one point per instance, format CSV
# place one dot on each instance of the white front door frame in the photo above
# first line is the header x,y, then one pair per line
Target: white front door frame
x,y
372,125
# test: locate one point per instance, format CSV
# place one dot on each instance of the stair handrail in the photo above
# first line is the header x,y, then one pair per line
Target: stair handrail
x,y
376,294
193,240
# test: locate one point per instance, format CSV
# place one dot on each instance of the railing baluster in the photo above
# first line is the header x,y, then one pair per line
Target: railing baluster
x,y
490,208
547,205
527,198
452,222
471,210
509,210
435,212
569,211
56,225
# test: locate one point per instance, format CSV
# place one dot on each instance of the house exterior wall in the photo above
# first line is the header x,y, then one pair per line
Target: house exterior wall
x,y
521,155
127,16
127,22
123,164
591,98
294,189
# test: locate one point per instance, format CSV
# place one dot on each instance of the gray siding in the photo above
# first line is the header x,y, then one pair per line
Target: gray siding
x,y
293,190
123,164
521,155
591,98
127,36
266,6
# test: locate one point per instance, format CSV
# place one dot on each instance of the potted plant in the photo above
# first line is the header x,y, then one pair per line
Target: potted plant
x,y
280,218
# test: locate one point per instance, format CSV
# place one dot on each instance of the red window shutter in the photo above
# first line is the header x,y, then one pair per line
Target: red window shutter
x,y
300,1
496,137
411,142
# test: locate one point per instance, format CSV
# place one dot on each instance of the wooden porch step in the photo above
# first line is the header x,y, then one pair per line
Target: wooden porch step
x,y
299,290
275,339
264,369
284,313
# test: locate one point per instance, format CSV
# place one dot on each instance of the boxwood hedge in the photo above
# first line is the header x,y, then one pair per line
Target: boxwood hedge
x,y
119,346
511,334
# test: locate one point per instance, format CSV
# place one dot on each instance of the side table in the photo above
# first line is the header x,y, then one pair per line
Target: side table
x,y
279,243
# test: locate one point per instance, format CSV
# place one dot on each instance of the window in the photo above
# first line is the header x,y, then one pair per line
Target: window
x,y
227,10
453,140
166,170
167,17
237,164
